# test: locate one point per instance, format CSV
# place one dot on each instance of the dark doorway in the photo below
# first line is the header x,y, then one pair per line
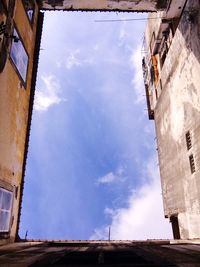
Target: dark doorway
x,y
175,226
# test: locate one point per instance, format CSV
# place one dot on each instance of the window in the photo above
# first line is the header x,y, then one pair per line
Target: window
x,y
5,209
19,55
188,140
29,8
192,163
152,74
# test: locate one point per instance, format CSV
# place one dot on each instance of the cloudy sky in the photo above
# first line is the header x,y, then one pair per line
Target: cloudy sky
x,y
92,160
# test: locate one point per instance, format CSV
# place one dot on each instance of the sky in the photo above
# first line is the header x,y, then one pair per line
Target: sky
x,y
92,161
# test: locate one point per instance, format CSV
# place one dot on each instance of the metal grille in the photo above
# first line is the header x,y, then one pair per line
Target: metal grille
x,y
188,140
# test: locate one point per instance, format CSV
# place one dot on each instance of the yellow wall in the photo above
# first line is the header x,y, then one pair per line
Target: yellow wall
x,y
14,104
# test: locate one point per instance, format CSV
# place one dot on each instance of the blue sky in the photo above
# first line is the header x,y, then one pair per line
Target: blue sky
x,y
92,161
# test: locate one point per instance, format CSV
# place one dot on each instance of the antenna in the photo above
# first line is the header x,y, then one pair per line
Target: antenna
x,y
109,233
26,234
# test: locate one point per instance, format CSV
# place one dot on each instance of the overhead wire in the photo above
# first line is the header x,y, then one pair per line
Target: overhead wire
x,y
119,20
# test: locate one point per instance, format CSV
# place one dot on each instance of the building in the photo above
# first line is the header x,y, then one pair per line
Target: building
x,y
100,253
171,70
106,5
20,33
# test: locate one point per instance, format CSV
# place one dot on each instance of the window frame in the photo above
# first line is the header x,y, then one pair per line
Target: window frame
x,y
23,82
25,10
9,188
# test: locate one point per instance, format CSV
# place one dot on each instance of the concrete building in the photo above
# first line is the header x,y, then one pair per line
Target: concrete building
x,y
171,71
172,95
110,5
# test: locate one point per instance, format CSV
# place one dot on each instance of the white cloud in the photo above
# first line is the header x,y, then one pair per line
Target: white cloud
x,y
96,47
143,218
109,211
120,170
106,179
49,94
76,58
73,59
112,177
58,64
138,83
122,33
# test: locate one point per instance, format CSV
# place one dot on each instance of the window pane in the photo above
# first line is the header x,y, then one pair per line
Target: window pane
x,y
4,221
29,7
6,200
19,56
30,14
1,193
5,209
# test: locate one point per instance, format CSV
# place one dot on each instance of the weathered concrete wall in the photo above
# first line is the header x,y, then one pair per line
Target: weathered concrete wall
x,y
105,5
177,111
14,105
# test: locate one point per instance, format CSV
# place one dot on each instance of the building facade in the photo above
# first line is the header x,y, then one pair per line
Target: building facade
x,y
20,23
20,33
106,5
171,69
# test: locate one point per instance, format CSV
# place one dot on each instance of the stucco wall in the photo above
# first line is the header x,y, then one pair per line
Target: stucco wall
x,y
14,103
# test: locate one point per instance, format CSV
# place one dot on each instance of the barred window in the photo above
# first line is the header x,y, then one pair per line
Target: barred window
x,y
188,140
192,163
